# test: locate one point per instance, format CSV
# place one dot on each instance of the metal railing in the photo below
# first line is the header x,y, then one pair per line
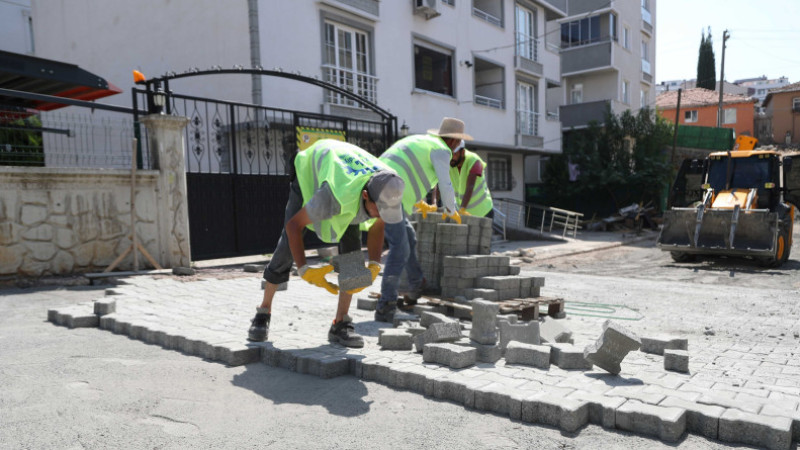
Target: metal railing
x,y
528,122
359,83
527,46
514,214
94,136
487,17
488,101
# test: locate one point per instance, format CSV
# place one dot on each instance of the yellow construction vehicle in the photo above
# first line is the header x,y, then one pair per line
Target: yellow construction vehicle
x,y
736,203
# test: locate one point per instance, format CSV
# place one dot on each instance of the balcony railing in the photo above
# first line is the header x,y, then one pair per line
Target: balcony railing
x,y
528,46
646,66
359,83
488,101
527,122
487,17
646,17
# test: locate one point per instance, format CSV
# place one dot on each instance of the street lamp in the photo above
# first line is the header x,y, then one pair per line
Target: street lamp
x,y
404,129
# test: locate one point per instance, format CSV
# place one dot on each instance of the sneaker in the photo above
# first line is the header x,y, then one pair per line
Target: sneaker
x,y
344,333
259,327
386,312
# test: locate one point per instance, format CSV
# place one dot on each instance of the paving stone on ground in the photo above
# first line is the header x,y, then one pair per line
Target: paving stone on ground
x,y
742,391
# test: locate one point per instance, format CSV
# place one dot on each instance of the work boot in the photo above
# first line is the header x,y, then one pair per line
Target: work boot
x,y
259,326
414,294
385,312
344,333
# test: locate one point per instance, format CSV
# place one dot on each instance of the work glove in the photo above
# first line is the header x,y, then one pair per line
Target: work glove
x,y
316,276
424,208
453,215
374,268
463,212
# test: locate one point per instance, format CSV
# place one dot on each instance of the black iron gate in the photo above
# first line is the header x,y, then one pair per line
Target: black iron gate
x,y
238,162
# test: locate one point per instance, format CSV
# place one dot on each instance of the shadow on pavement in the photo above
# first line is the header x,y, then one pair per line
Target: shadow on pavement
x,y
340,396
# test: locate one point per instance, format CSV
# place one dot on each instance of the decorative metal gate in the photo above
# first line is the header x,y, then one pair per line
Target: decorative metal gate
x,y
238,164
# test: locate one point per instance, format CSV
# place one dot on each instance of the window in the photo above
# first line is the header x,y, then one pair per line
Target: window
x,y
499,173
542,167
489,84
433,70
449,2
690,116
488,10
576,94
626,92
626,38
527,118
761,92
580,32
644,93
645,53
729,115
646,5
346,63
612,26
796,104
527,44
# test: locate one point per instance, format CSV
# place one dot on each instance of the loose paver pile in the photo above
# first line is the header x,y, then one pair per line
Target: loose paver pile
x,y
663,388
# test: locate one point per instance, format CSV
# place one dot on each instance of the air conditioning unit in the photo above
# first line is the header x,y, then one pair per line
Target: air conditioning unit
x,y
426,8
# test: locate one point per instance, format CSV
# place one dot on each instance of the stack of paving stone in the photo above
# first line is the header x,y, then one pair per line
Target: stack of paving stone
x,y
438,238
489,277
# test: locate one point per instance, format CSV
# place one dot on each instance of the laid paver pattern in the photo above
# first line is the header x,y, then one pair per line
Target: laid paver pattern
x,y
210,318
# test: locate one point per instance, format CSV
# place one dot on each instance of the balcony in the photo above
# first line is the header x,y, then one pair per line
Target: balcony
x,y
528,130
580,114
361,84
489,10
586,58
647,22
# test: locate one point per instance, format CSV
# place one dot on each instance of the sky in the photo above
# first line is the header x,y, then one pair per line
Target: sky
x,y
764,38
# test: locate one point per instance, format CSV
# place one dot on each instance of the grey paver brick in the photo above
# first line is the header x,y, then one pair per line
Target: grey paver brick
x,y
453,355
602,409
395,339
367,304
747,428
105,306
568,414
700,419
527,333
676,360
533,355
611,347
667,424
720,398
657,344
568,357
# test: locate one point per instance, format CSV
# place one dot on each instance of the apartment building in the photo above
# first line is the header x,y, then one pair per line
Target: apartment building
x,y
487,62
607,58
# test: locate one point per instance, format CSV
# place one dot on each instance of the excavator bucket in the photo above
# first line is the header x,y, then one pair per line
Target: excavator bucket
x,y
719,231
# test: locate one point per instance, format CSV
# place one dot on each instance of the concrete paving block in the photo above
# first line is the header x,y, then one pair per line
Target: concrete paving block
x,y
367,304
254,268
487,353
395,339
510,318
794,415
429,318
105,306
481,293
611,347
352,272
769,432
82,320
602,409
657,344
718,398
333,366
668,424
532,355
552,331
238,354
494,397
484,317
676,360
700,419
636,392
568,357
527,333
568,414
420,308
455,356
107,322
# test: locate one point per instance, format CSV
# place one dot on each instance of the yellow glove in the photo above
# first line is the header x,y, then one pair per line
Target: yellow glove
x,y
463,212
374,268
316,276
424,208
455,216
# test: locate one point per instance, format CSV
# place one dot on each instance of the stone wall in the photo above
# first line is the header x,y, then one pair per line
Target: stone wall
x,y
64,221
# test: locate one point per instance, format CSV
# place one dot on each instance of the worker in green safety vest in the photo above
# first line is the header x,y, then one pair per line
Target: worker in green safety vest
x,y
467,171
335,187
422,161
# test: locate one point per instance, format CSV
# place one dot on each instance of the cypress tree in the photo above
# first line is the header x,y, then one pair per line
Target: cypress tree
x,y
706,64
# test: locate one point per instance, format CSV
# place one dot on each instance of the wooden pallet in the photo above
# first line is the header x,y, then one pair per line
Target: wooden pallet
x,y
526,308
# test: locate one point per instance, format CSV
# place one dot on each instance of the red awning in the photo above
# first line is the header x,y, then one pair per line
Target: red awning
x,y
44,76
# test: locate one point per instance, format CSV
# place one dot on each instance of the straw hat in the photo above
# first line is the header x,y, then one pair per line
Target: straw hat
x,y
451,128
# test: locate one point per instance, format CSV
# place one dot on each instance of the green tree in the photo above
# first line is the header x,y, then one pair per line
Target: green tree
x,y
622,161
20,140
706,64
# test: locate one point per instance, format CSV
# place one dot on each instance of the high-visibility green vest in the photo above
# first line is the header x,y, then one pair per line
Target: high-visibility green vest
x,y
481,201
410,157
346,168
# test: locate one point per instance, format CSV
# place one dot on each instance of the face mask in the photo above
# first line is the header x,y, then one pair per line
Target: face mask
x,y
454,163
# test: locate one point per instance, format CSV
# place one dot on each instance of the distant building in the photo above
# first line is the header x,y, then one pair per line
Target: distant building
x,y
699,108
760,87
674,85
781,122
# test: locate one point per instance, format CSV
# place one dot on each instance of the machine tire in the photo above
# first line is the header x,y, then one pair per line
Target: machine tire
x,y
782,249
683,257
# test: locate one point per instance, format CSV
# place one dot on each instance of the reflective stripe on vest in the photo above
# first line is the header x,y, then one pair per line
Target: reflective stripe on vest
x,y
346,168
410,157
481,201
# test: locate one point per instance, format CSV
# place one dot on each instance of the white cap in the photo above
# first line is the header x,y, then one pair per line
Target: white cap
x,y
385,188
